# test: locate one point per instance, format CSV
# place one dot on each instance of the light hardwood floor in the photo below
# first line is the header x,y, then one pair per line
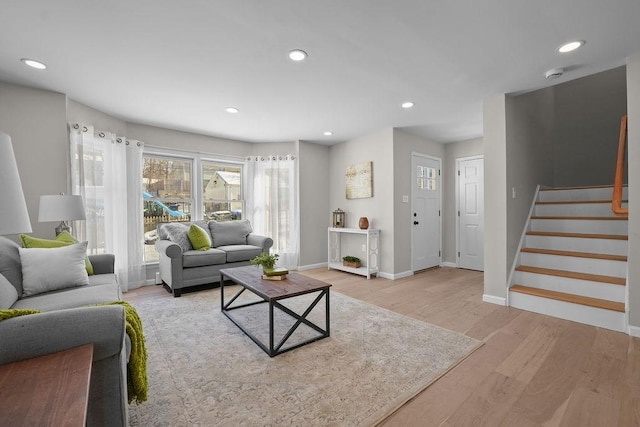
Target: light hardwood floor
x,y
533,369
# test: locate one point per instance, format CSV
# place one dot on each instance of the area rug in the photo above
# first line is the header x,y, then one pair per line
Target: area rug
x,y
204,371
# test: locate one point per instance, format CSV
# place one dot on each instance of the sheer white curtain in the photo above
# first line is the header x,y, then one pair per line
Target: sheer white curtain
x,y
272,204
106,170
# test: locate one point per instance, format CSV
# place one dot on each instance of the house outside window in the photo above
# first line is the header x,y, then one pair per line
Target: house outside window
x,y
222,191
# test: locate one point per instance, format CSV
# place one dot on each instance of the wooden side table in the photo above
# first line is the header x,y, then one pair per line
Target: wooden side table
x,y
47,390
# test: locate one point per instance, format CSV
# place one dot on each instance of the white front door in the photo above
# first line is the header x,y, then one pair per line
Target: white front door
x,y
471,213
425,214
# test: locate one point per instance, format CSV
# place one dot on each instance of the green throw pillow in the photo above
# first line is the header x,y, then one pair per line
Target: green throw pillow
x,y
62,239
199,238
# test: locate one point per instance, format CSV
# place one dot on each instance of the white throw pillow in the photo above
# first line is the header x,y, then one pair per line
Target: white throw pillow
x,y
50,269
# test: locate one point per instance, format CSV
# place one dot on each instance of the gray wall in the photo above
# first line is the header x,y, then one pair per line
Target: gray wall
x,y
633,104
529,150
80,113
315,210
586,127
36,121
452,152
403,145
495,199
378,148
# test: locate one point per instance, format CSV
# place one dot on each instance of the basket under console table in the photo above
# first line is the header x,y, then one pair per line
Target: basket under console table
x,y
372,263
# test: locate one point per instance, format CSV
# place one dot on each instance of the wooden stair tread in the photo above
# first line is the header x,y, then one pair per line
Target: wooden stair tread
x,y
573,275
585,187
614,218
608,257
577,202
579,235
575,299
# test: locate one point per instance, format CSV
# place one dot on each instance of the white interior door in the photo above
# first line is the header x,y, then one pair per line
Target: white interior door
x,y
425,214
471,213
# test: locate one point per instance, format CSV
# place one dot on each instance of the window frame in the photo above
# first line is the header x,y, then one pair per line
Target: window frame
x,y
197,191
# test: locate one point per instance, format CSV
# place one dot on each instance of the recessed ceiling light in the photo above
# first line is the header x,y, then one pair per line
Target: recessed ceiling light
x,y
571,46
407,104
231,110
297,55
34,64
328,133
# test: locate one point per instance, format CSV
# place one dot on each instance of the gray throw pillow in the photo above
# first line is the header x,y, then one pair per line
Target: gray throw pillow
x,y
177,232
10,266
51,269
8,294
230,232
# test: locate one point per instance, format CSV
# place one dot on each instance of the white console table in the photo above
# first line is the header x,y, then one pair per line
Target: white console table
x,y
371,265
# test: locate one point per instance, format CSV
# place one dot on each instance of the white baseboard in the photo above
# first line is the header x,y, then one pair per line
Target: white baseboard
x,y
494,300
634,331
449,264
312,266
392,276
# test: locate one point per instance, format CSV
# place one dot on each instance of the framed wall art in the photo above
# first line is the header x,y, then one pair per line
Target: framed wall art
x,y
359,180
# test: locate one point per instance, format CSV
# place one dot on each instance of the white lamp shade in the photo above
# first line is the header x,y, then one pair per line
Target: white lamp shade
x,y
60,207
14,217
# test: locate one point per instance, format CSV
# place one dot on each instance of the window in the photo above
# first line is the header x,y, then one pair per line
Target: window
x,y
166,191
180,189
221,191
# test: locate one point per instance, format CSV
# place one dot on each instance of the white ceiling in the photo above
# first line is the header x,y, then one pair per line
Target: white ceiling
x,y
179,64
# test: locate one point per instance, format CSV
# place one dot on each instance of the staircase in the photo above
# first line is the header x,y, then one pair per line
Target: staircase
x,y
573,258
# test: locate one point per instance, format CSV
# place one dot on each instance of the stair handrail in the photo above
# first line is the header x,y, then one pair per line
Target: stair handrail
x,y
618,183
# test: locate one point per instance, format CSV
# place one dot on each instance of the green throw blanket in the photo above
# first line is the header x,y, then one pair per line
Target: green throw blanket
x,y
137,366
15,312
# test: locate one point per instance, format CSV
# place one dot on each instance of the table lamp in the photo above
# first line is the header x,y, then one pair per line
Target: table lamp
x,y
14,217
61,207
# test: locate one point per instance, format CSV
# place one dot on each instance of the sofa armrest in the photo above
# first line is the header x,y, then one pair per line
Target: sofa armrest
x,y
169,248
261,241
35,335
103,263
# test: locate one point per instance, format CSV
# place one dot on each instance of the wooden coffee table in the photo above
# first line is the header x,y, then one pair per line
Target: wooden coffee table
x,y
271,292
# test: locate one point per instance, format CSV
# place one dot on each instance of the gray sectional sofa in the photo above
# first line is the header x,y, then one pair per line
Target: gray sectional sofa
x,y
66,322
232,245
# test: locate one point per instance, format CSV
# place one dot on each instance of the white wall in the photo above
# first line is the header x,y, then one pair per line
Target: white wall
x,y
452,152
403,145
378,148
36,121
633,110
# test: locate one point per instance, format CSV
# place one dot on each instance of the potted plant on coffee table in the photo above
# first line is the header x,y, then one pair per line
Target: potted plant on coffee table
x,y
351,261
268,263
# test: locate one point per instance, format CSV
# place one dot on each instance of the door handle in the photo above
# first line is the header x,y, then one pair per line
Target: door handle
x,y
415,223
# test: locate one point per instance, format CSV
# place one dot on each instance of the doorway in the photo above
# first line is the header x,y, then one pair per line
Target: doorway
x,y
425,212
470,212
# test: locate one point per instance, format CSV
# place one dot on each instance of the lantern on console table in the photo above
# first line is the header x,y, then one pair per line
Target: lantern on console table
x,y
338,218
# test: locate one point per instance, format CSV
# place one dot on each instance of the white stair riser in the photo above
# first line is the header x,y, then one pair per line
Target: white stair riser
x,y
605,193
568,263
598,246
578,313
573,209
580,226
585,288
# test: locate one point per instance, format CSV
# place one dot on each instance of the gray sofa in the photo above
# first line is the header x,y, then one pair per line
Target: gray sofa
x,y
66,322
232,245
